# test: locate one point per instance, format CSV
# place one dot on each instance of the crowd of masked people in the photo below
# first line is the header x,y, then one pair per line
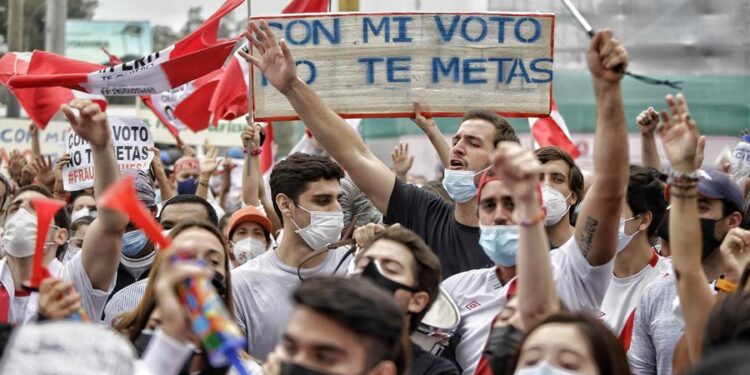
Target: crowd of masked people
x,y
514,262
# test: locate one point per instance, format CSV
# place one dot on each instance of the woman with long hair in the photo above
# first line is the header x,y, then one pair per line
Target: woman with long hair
x,y
196,240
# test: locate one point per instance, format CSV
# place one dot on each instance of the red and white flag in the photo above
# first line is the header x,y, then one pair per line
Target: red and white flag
x,y
196,55
552,131
41,104
193,109
231,98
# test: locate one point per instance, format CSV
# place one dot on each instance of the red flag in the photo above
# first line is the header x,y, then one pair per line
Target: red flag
x,y
552,131
41,104
230,100
306,6
193,110
197,54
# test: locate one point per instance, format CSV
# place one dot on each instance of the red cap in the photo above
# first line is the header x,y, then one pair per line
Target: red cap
x,y
248,214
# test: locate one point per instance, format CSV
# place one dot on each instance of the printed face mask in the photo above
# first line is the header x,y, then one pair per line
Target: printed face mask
x,y
555,204
624,239
500,243
460,184
325,228
246,249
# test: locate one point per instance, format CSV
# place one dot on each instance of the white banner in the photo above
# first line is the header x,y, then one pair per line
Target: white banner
x,y
376,65
132,141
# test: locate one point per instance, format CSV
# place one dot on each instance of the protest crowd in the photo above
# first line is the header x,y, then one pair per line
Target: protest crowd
x,y
514,261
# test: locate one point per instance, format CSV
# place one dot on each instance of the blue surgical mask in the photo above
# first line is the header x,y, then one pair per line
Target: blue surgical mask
x,y
544,368
460,184
133,243
623,239
189,186
500,243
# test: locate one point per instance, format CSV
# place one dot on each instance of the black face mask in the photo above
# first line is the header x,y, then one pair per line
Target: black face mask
x,y
289,368
372,273
502,347
710,242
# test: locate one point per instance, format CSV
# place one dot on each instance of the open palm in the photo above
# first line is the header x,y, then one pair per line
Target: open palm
x,y
679,134
276,61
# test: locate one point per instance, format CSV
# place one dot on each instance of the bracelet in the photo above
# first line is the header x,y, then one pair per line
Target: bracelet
x,y
683,196
723,285
526,223
254,152
681,177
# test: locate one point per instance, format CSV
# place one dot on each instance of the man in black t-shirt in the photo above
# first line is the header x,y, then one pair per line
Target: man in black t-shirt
x,y
452,231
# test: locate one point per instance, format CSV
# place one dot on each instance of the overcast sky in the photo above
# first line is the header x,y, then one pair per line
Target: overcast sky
x,y
173,13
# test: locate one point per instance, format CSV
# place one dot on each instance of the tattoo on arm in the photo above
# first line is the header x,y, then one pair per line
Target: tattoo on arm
x,y
588,236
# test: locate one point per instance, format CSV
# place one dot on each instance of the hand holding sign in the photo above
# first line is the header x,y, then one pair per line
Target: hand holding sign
x,y
277,63
424,123
607,58
91,125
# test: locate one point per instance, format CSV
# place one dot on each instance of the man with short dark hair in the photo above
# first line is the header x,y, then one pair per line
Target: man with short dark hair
x,y
656,328
306,192
452,231
562,190
398,261
341,326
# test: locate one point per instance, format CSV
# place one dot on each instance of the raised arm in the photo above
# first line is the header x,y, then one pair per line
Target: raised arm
x,y
519,169
165,186
337,137
36,149
103,241
251,176
647,122
680,138
208,166
598,222
430,128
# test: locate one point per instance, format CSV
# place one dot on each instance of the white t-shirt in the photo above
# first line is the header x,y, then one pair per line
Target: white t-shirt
x,y
480,296
618,307
24,310
262,290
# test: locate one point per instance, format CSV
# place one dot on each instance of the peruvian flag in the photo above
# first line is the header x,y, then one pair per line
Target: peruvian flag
x,y
198,54
41,104
193,109
552,131
230,100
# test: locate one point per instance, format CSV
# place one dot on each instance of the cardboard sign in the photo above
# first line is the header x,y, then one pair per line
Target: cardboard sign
x,y
132,140
377,65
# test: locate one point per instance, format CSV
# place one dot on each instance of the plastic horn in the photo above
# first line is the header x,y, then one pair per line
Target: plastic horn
x,y
46,209
121,197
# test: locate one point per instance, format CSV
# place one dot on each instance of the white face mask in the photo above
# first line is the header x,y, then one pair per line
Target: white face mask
x,y
79,214
325,228
70,252
555,203
544,368
246,249
624,239
19,237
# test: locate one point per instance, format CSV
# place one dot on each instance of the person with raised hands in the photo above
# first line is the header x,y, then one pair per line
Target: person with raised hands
x,y
708,205
253,186
431,130
450,230
92,272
